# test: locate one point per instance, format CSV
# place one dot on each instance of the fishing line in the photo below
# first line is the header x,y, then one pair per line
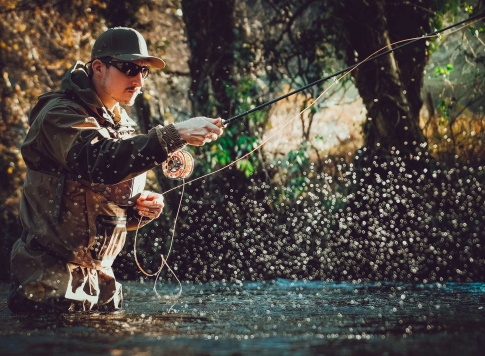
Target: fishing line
x,y
344,72
368,59
163,258
247,154
375,55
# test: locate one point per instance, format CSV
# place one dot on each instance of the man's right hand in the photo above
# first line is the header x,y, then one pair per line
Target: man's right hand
x,y
199,130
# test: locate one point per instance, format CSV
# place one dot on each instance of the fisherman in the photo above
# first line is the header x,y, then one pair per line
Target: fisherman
x,y
84,186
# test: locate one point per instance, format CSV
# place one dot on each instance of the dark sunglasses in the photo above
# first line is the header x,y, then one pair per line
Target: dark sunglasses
x,y
128,68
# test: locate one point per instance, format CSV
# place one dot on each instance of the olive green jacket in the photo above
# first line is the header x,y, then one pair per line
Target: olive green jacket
x,y
84,172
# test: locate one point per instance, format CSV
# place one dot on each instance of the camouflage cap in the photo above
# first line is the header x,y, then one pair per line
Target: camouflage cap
x,y
124,44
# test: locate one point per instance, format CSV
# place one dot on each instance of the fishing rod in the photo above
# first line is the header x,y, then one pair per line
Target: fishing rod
x,y
180,164
319,81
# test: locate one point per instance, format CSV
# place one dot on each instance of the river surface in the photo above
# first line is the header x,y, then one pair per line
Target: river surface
x,y
278,317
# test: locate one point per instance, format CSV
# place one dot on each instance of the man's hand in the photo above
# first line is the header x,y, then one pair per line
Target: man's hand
x,y
149,204
199,130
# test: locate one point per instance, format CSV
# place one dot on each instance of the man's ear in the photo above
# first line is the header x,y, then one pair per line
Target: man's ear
x,y
96,67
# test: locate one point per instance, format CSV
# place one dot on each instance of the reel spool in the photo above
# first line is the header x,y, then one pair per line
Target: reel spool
x,y
179,165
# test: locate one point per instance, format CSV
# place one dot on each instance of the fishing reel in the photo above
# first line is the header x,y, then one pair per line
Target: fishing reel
x,y
179,165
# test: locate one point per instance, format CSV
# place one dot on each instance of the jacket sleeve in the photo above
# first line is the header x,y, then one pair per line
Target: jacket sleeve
x,y
99,159
66,135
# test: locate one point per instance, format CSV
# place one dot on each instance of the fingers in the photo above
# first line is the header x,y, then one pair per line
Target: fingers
x,y
215,130
150,196
151,214
150,204
218,122
214,127
199,130
210,137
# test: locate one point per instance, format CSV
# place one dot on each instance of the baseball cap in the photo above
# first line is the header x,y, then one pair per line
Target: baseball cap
x,y
124,44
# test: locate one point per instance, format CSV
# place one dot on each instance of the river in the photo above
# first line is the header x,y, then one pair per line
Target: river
x,y
278,317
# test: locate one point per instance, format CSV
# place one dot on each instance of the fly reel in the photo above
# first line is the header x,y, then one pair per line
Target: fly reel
x,y
179,165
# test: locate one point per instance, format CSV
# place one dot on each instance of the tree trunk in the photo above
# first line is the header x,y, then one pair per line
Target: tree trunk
x,y
390,85
209,27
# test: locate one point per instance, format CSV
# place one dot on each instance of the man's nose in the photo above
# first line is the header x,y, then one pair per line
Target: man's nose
x,y
138,80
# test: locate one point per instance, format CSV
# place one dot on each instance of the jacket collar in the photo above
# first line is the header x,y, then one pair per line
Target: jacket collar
x,y
77,82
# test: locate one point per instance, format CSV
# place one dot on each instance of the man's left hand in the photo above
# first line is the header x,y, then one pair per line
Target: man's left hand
x,y
150,204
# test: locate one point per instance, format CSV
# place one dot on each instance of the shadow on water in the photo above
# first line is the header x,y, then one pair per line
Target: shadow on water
x,y
278,317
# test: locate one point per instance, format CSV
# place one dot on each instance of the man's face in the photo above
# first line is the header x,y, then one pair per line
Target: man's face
x,y
117,87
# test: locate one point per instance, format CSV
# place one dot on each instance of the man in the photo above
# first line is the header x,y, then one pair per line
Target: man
x,y
85,178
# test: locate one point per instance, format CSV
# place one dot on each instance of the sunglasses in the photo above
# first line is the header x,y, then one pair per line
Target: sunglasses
x,y
128,68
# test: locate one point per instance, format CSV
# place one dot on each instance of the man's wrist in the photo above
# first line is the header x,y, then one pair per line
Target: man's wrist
x,y
169,135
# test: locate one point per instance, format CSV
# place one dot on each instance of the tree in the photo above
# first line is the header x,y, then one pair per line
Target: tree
x,y
210,35
36,48
390,86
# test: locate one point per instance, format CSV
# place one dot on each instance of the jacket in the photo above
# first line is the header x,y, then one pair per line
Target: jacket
x,y
85,169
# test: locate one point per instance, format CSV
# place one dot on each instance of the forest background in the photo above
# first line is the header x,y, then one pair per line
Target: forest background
x,y
377,174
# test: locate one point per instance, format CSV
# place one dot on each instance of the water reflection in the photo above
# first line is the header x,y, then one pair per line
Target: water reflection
x,y
276,317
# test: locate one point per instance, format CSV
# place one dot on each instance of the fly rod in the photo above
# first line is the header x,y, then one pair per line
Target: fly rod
x,y
319,81
180,163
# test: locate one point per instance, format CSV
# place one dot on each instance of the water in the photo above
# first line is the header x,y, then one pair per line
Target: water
x,y
278,317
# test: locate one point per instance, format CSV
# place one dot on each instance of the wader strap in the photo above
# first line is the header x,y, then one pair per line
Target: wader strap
x,y
23,237
33,243
59,191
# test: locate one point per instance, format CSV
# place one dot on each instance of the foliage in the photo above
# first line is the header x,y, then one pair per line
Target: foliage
x,y
304,214
36,47
444,71
293,178
122,12
454,120
240,136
